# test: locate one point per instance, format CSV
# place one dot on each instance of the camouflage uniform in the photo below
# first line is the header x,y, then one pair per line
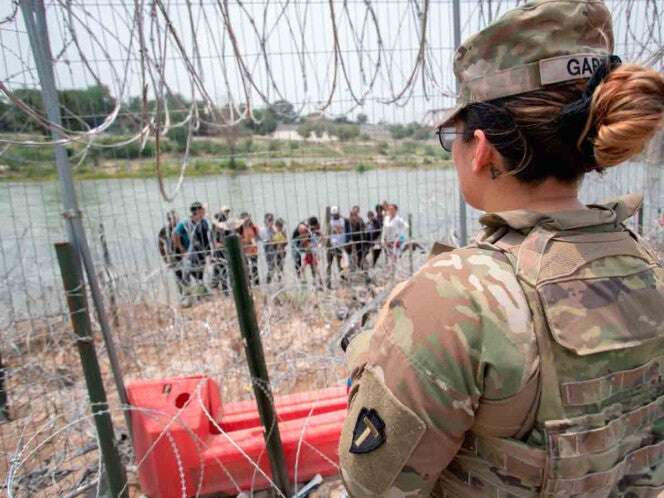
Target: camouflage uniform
x,y
529,363
538,44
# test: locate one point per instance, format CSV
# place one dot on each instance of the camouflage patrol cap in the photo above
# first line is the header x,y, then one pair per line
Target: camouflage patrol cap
x,y
540,43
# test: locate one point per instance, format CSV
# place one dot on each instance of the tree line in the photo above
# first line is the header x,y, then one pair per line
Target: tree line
x,y
87,108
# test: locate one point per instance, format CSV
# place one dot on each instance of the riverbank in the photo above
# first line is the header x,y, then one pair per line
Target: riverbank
x,y
211,156
211,166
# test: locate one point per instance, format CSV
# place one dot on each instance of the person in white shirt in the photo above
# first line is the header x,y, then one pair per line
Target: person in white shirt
x,y
394,234
266,233
336,242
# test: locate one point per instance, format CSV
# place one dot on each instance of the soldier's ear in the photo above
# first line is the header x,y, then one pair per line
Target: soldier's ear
x,y
484,154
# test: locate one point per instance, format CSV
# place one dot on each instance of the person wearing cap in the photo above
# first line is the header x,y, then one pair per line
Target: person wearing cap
x,y
192,238
337,240
528,363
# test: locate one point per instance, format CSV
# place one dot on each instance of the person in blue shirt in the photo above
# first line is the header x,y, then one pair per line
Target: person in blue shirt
x,y
192,238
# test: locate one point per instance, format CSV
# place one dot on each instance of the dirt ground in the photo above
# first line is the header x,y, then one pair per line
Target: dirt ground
x,y
48,447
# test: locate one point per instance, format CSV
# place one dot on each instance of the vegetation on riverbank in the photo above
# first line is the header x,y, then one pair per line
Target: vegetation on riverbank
x,y
111,157
223,139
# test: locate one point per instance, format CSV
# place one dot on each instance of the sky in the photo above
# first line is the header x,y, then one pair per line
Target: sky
x,y
286,50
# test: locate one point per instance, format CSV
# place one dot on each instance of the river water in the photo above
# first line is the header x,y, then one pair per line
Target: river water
x,y
132,212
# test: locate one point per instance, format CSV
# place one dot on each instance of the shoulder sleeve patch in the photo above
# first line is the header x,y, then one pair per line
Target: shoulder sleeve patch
x,y
369,432
380,433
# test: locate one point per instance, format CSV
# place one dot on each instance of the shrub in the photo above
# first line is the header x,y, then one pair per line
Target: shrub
x,y
304,130
179,137
247,146
234,164
408,147
205,167
422,133
209,147
131,150
274,145
382,147
430,150
345,131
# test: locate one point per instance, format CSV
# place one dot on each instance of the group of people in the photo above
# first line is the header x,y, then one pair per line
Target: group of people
x,y
349,242
187,246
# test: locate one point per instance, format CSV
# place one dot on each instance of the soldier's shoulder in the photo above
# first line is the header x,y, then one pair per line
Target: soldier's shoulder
x,y
467,265
462,301
478,282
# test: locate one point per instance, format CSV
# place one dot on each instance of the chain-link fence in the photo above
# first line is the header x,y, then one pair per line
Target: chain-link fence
x,y
288,108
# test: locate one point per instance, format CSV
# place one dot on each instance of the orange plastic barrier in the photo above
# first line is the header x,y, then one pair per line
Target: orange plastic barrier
x,y
179,448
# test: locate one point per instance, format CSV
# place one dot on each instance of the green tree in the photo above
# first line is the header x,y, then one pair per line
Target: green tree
x,y
264,122
283,111
179,137
15,120
85,108
305,129
345,132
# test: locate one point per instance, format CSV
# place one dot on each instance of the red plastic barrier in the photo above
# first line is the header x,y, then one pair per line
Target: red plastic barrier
x,y
189,453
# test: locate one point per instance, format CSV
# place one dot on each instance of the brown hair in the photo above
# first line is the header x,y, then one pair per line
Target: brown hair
x,y
626,111
538,140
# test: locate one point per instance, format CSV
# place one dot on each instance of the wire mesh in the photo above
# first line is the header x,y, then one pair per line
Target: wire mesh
x,y
166,103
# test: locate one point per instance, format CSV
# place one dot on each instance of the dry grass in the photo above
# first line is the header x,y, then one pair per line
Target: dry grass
x,y
51,429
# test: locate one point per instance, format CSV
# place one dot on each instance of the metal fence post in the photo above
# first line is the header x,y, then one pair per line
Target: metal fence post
x,y
34,15
70,268
463,222
4,405
410,242
246,315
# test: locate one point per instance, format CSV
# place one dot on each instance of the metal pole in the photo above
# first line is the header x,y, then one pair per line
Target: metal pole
x,y
70,268
253,348
34,15
4,405
410,240
463,229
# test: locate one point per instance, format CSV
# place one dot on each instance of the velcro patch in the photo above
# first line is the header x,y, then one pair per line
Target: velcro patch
x,y
568,67
372,473
369,432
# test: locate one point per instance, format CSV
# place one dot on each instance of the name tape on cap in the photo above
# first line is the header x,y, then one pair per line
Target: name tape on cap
x,y
568,67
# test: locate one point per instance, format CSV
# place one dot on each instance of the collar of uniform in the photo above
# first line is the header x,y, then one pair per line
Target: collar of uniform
x,y
612,212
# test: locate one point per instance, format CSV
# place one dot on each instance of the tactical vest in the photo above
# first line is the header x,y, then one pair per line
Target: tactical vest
x,y
596,429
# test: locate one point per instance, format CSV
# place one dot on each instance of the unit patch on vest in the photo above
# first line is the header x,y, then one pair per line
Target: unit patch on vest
x,y
568,67
369,432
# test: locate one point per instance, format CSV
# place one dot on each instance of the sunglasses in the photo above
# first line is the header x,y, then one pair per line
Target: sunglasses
x,y
447,136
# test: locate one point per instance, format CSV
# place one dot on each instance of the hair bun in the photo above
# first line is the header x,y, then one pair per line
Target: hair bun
x,y
626,111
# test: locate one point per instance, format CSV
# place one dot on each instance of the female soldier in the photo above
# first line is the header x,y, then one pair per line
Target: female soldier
x,y
529,363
